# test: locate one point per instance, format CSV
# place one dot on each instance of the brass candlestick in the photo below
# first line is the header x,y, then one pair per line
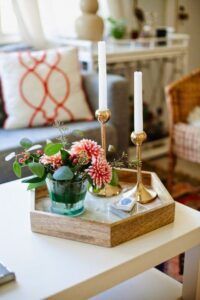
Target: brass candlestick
x,y
103,116
142,194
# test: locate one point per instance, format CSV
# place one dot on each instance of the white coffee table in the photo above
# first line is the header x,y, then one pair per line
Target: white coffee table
x,y
53,268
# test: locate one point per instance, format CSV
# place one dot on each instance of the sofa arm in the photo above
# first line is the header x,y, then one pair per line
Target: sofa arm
x,y
118,103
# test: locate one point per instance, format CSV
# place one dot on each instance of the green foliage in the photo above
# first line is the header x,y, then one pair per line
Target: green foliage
x,y
115,179
63,173
95,190
65,156
35,185
26,143
124,162
117,28
37,169
52,148
62,128
65,168
17,168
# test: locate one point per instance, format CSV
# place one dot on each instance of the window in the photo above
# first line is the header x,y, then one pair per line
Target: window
x,y
8,23
57,18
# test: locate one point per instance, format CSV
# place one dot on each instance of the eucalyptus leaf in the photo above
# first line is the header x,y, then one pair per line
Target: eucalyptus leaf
x,y
65,155
37,169
17,168
10,156
52,148
32,186
63,173
26,143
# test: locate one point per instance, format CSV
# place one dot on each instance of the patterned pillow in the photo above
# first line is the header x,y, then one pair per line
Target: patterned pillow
x,y
41,87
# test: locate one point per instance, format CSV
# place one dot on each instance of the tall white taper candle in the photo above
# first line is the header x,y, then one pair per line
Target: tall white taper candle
x,y
138,104
102,75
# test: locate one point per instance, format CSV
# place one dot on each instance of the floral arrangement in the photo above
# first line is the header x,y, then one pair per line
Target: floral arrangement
x,y
66,169
83,160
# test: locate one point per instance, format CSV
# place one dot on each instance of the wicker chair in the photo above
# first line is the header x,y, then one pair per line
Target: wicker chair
x,y
182,96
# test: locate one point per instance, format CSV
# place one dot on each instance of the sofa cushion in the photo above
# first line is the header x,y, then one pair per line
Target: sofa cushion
x,y
10,141
187,142
40,87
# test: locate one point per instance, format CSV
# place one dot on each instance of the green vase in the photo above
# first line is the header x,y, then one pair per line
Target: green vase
x,y
67,197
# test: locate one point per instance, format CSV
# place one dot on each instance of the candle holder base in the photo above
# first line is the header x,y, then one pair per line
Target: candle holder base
x,y
107,191
141,193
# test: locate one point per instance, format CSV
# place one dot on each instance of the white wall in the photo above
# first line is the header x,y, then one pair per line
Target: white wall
x,y
192,27
166,10
157,6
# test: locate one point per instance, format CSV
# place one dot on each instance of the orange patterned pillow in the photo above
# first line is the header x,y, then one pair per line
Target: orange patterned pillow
x,y
41,87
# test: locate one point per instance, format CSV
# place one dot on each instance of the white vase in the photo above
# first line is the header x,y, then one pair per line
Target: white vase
x,y
89,26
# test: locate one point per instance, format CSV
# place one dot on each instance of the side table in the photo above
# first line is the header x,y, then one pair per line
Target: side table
x,y
53,268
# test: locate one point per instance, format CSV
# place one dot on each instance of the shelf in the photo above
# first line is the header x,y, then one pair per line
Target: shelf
x,y
153,149
150,285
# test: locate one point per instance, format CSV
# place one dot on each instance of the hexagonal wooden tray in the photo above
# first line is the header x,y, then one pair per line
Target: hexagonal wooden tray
x,y
99,226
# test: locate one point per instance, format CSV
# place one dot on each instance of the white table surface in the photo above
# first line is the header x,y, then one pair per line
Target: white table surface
x,y
47,266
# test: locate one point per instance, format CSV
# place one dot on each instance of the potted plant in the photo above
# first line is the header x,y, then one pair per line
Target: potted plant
x,y
117,28
65,169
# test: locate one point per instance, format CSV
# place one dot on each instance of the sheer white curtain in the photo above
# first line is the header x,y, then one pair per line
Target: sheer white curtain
x,y
29,22
58,16
39,21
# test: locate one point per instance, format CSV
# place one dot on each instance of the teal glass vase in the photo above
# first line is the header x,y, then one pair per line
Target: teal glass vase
x,y
67,197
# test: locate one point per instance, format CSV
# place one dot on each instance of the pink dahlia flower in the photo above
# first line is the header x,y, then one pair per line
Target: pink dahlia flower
x,y
55,160
100,171
81,159
90,147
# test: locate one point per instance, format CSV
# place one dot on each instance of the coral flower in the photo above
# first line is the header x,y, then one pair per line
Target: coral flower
x,y
55,160
100,171
90,147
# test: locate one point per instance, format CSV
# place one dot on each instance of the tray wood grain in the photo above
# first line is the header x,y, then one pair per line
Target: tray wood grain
x,y
106,233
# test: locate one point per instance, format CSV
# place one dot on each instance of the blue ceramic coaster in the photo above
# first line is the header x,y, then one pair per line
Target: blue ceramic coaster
x,y
125,203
